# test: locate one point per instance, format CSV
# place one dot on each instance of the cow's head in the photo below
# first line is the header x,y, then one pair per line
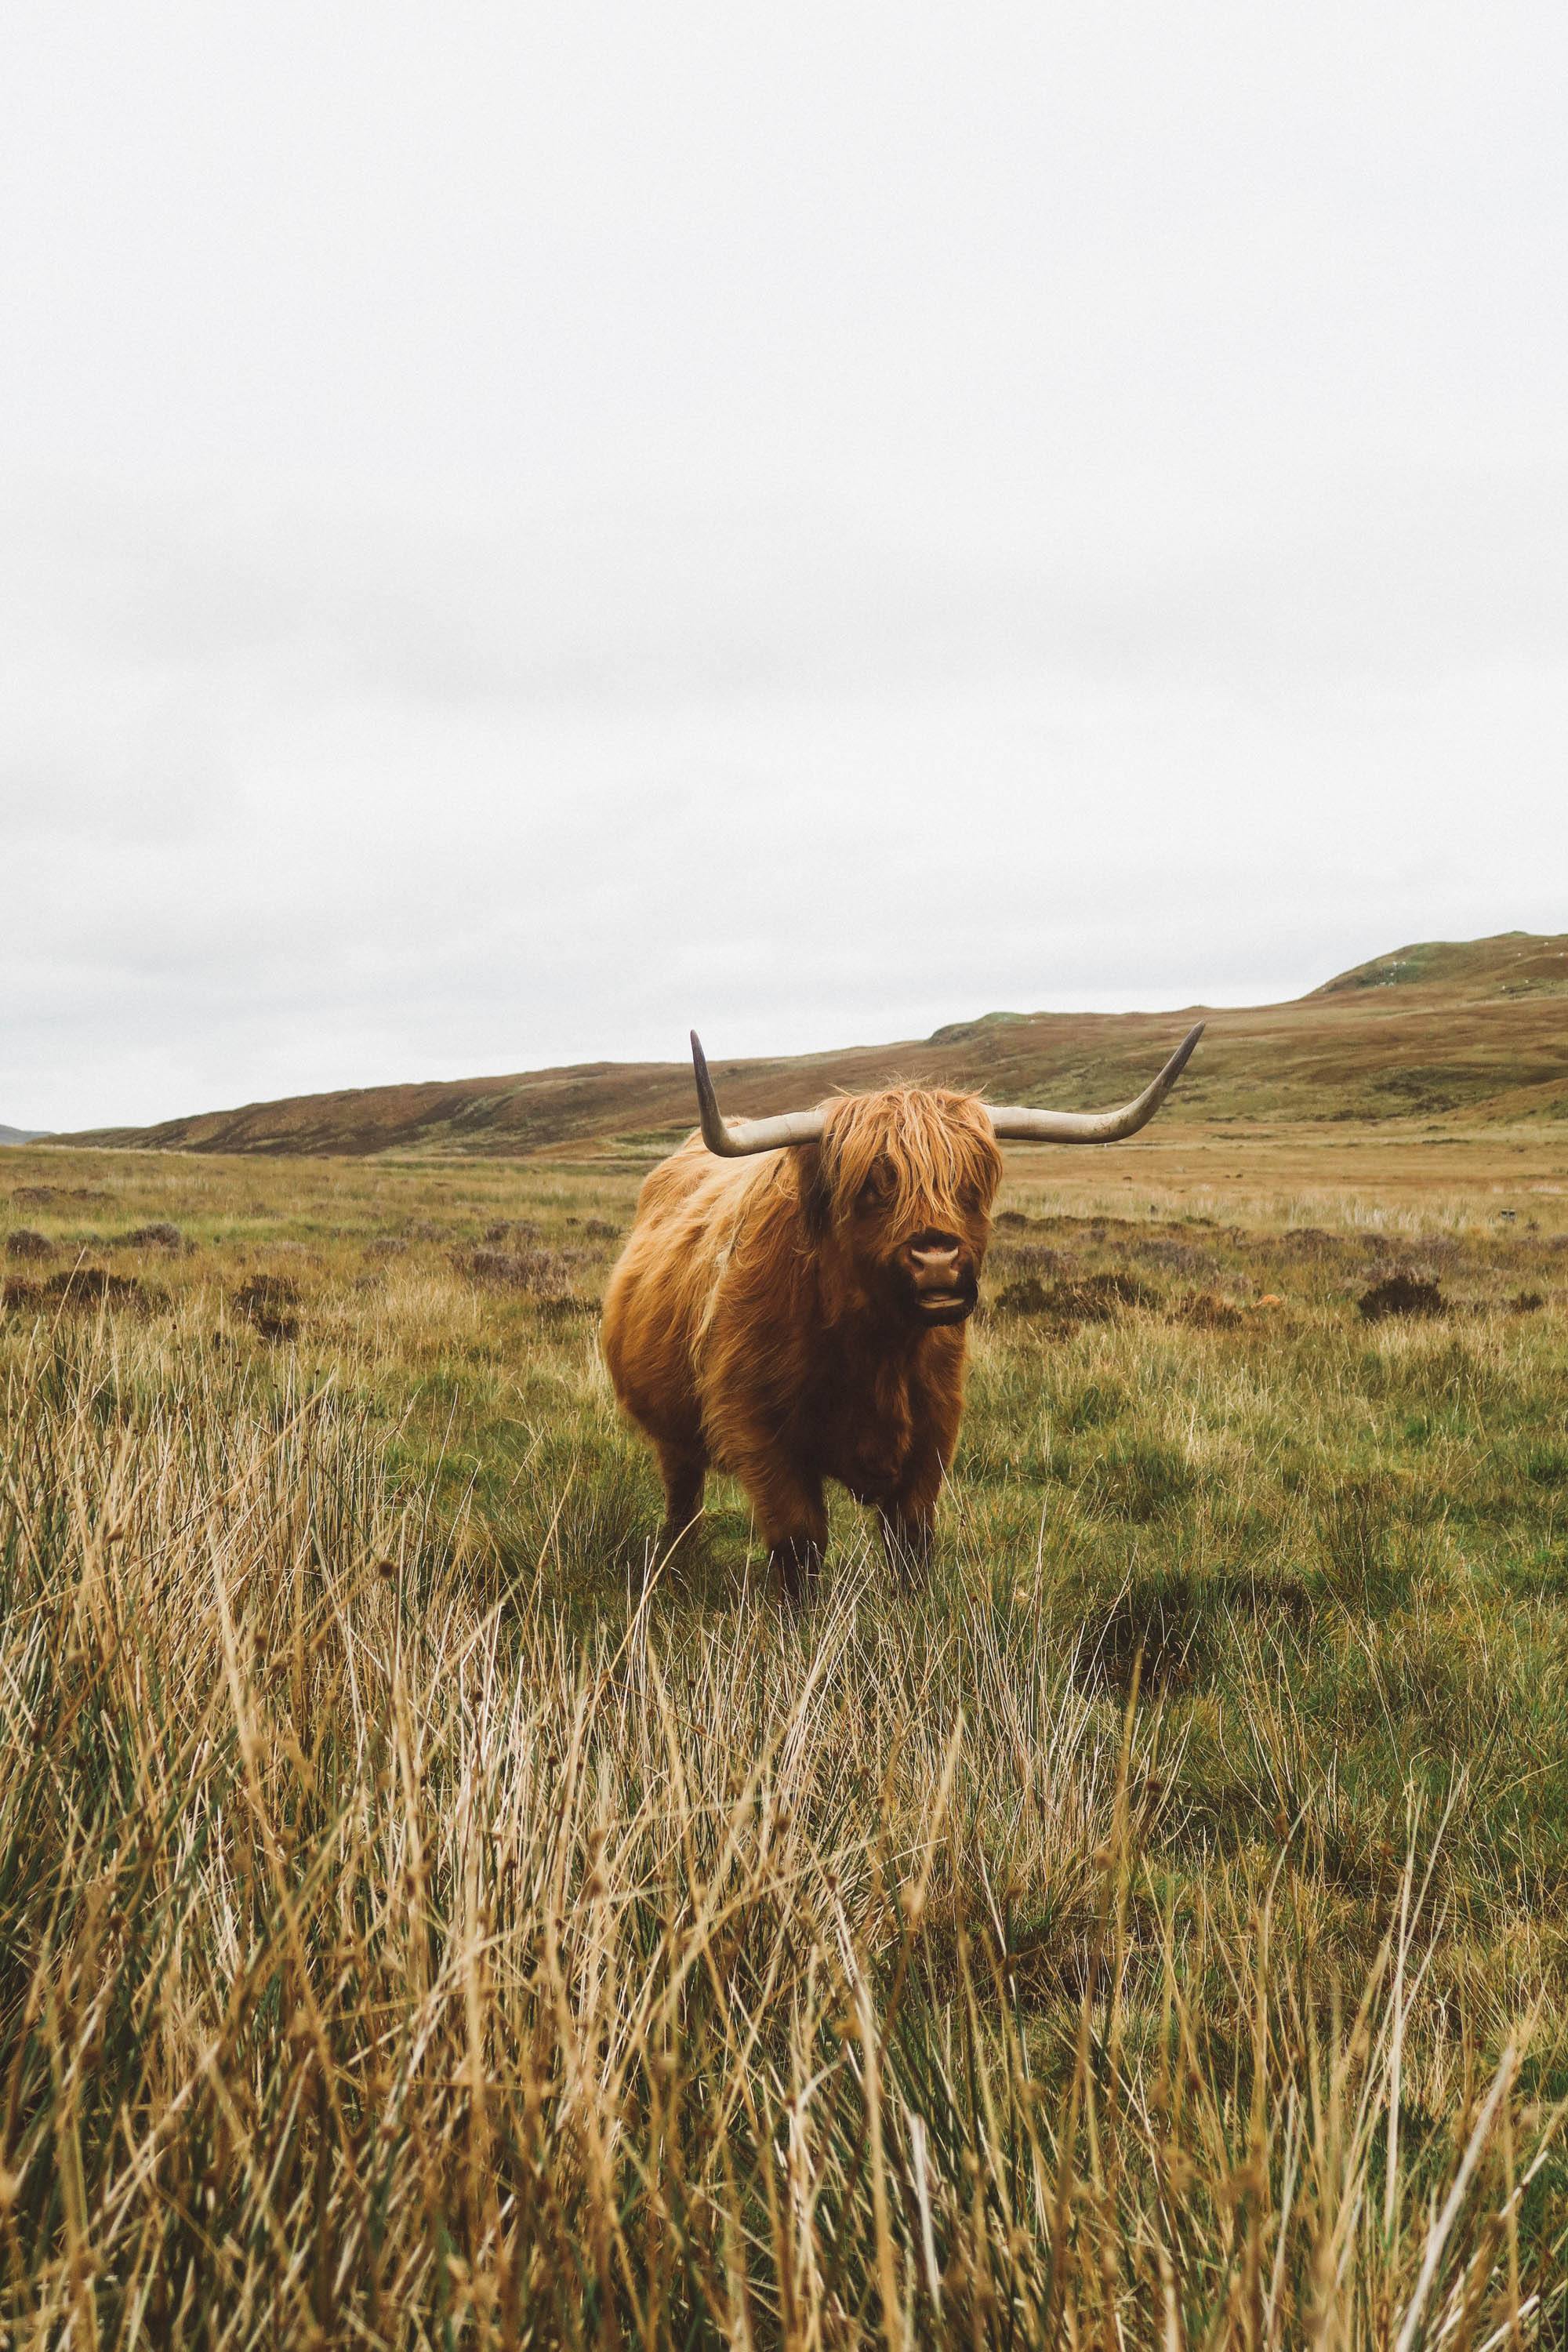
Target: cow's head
x,y
901,1184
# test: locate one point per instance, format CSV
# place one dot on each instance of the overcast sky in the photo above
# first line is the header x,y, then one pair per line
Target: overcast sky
x,y
525,528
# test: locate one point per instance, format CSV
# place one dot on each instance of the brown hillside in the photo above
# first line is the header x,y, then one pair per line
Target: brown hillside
x,y
1453,1034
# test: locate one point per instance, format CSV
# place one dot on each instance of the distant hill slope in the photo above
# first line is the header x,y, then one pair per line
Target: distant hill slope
x,y
1456,1032
19,1135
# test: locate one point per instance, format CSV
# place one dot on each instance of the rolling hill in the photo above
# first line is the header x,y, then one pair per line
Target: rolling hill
x,y
1451,1034
19,1135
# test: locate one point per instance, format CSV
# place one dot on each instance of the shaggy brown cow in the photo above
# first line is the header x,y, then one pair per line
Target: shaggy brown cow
x,y
791,1301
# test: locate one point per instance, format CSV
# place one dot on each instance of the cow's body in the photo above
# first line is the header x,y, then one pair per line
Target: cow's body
x,y
784,1316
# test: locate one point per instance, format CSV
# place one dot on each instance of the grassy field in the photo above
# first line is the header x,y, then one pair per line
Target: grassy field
x,y
420,1925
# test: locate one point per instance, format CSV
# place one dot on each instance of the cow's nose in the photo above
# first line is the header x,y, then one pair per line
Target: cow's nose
x,y
934,1259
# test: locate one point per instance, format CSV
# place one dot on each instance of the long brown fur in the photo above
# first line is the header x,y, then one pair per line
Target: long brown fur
x,y
760,1320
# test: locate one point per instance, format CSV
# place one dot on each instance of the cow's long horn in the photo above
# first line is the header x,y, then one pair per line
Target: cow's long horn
x,y
732,1139
1018,1124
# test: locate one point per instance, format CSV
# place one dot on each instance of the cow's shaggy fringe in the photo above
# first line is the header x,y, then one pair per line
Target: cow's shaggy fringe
x,y
932,1143
377,1970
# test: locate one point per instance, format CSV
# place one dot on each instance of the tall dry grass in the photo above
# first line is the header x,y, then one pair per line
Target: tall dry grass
x,y
381,1968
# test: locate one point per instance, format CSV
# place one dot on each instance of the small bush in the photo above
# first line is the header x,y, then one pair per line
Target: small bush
x,y
1033,1257
1205,1311
266,1302
159,1235
546,1274
1313,1243
1402,1293
1095,1298
1029,1296
24,1243
565,1309
1178,1257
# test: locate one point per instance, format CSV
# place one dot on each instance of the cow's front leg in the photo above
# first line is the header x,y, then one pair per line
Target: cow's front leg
x,y
798,1560
793,1517
909,1520
684,1469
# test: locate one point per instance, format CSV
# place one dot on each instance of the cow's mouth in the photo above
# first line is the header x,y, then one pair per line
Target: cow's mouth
x,y
954,1305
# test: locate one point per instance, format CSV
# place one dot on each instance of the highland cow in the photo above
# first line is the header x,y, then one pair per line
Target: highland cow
x,y
791,1303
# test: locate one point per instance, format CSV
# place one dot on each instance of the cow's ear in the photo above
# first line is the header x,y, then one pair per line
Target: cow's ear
x,y
815,1203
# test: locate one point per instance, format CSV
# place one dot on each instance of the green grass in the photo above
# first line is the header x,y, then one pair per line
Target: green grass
x,y
416,1927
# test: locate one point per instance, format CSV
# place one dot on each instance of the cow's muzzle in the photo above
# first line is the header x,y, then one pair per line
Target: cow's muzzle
x,y
941,1278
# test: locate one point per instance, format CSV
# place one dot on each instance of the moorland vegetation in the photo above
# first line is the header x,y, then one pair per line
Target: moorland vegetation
x,y
422,1925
